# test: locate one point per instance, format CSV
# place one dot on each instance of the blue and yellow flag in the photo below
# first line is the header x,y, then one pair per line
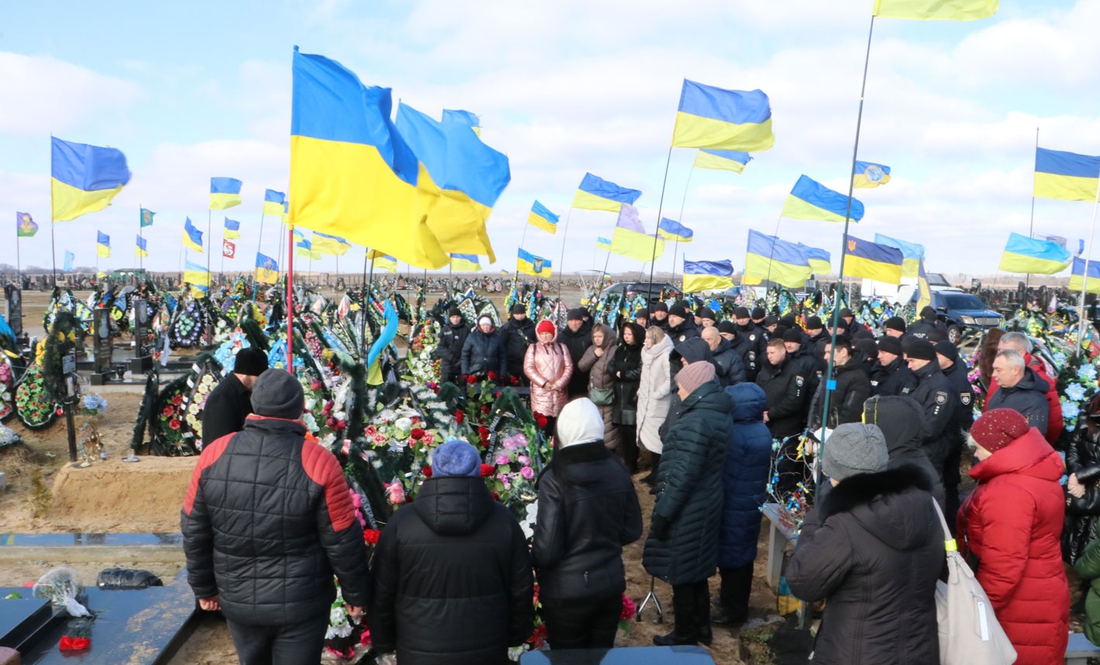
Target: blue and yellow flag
x,y
812,200
465,263
331,245
820,260
146,217
630,239
924,299
382,261
529,264
224,193
303,248
267,269
1077,276
67,266
466,118
141,249
595,193
771,259
911,251
603,243
102,244
869,260
192,237
385,338
722,160
936,10
1028,255
673,230
542,218
84,178
198,277
869,174
1066,176
710,117
232,229
707,275
25,227
274,202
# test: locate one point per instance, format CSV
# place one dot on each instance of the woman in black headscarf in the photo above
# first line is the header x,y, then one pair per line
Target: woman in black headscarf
x,y
625,369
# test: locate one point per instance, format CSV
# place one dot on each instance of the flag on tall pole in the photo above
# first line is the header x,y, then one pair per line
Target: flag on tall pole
x,y
868,174
710,117
274,203
707,275
595,193
102,245
540,217
869,260
630,239
722,160
229,250
146,217
192,237
25,227
1066,176
1028,255
267,269
224,193
936,10
141,249
84,178
769,258
232,229
812,200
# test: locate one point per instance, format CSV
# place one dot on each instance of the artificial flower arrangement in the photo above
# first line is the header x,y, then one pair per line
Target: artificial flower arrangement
x,y
92,405
7,392
33,402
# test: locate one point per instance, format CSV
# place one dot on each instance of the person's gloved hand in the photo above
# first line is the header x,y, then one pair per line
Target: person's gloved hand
x,y
661,528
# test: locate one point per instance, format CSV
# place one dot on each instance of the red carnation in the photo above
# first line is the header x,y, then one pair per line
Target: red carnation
x,y
492,376
541,420
416,434
174,423
471,380
487,470
459,417
483,433
427,471
371,536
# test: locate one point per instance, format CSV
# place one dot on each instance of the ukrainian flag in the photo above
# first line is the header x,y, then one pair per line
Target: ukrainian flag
x,y
710,117
820,261
303,248
529,264
232,229
465,263
603,243
707,275
102,244
812,200
224,193
775,260
1027,255
936,10
142,249
463,118
630,239
911,251
1066,176
192,237
868,174
542,218
595,193
382,261
1077,280
872,261
722,160
274,202
267,269
84,178
673,230
198,277
332,245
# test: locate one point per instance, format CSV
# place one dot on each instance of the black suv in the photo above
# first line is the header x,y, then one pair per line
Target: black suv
x,y
652,292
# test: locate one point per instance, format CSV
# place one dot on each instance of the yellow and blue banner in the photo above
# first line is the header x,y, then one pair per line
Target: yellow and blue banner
x,y
465,263
710,117
603,243
1066,176
102,244
1028,255
232,229
912,253
820,261
198,277
382,261
1077,276
542,218
466,118
863,258
869,174
529,264
707,275
670,229
779,261
595,193
25,227
630,239
84,178
267,269
146,217
303,248
385,338
936,10
224,193
274,202
331,245
722,160
925,291
192,237
812,200
141,248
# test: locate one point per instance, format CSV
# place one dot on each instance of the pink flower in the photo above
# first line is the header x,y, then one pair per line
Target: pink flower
x,y
523,459
395,493
370,431
346,448
527,472
502,459
379,439
628,609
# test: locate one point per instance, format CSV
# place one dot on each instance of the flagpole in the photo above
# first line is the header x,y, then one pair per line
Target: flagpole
x,y
1085,277
561,260
683,203
209,239
290,301
53,246
18,260
1031,224
656,235
141,259
259,247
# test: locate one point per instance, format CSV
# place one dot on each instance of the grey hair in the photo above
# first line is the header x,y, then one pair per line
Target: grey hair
x,y
1013,358
1017,340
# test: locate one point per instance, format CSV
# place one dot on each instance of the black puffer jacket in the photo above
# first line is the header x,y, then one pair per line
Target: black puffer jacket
x,y
452,339
894,378
785,390
483,353
899,419
588,511
1083,459
731,368
266,522
683,332
226,409
577,343
873,550
937,400
625,369
689,488
452,578
516,336
846,403
1028,397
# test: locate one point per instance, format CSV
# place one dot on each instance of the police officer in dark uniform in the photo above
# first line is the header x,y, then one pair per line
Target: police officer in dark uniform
x,y
751,342
955,371
890,375
681,325
798,354
936,397
925,325
784,381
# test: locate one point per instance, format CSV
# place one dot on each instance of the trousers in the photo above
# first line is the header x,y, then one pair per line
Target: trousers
x,y
293,644
582,624
735,591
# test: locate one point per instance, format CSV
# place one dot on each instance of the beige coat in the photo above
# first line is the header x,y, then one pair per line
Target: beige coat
x,y
550,364
654,394
598,377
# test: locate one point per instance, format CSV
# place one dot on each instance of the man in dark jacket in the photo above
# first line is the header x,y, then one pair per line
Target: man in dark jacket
x,y
894,327
925,325
750,343
577,339
452,574
681,324
936,397
516,336
848,320
955,371
783,380
852,388
1020,389
731,370
899,418
266,522
890,375
230,403
798,354
452,339
659,316
587,511
483,353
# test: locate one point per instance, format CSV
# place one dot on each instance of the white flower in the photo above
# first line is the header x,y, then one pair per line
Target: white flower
x,y
310,403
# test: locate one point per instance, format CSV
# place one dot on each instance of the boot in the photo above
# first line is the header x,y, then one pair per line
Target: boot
x,y
651,479
733,600
702,613
684,609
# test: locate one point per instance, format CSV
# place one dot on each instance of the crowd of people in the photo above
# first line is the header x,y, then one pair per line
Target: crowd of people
x,y
706,407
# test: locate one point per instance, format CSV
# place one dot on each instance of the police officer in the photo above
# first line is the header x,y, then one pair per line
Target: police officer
x,y
927,323
784,381
955,371
936,397
798,354
750,342
890,375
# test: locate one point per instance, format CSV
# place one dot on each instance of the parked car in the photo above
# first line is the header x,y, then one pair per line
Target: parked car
x,y
962,312
653,292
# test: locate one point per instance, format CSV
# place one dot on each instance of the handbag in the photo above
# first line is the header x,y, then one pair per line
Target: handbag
x,y
601,396
968,630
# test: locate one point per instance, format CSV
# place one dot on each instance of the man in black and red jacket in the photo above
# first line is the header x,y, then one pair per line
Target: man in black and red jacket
x,y
266,522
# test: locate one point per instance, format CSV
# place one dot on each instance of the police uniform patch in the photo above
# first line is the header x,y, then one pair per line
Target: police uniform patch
x,y
752,337
941,397
799,381
904,391
965,397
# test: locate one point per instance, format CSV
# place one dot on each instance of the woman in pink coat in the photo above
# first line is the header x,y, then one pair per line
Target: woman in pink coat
x,y
548,367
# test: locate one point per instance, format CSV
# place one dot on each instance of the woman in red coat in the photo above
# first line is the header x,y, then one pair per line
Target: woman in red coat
x,y
1011,528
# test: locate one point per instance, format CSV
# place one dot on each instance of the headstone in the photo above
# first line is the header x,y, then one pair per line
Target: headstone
x,y
142,362
102,346
14,296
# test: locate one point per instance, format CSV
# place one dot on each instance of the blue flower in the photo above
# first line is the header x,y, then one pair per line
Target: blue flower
x,y
1075,392
1088,371
1060,359
1070,411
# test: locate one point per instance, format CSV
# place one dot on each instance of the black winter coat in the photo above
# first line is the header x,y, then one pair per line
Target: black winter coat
x,y
899,418
689,488
873,550
516,336
785,393
1029,397
892,379
683,332
752,343
730,366
744,477
227,407
267,521
923,327
577,343
483,353
937,400
452,578
808,368
452,339
587,512
625,370
693,350
846,403
1083,459
963,417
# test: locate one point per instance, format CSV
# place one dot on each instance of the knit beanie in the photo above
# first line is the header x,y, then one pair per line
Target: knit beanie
x,y
927,312
580,422
678,310
852,449
454,311
278,394
727,327
705,313
695,375
456,458
741,313
793,335
659,307
770,321
814,323
895,323
937,335
546,326
575,314
947,350
518,308
921,349
890,345
250,362
758,313
997,428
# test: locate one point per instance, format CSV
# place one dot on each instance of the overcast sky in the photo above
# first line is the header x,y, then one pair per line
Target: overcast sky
x,y
200,89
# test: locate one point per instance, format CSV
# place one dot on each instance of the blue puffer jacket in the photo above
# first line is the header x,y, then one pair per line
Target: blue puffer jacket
x,y
745,477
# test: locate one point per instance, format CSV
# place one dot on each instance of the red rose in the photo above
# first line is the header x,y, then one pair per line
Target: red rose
x,y
331,422
459,417
515,381
341,424
487,470
427,471
177,399
416,434
485,408
471,380
541,420
496,497
74,643
174,423
371,536
168,411
492,376
483,433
